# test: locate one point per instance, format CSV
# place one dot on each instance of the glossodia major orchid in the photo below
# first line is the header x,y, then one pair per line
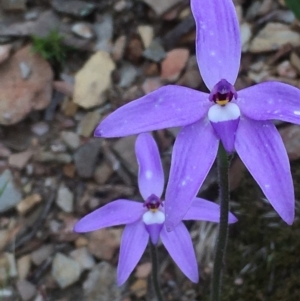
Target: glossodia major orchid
x,y
147,220
240,119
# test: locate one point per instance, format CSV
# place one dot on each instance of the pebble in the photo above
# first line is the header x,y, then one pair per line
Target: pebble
x,y
76,8
13,5
143,270
139,288
12,265
103,172
10,195
41,254
101,284
155,52
26,289
28,203
119,48
83,30
291,139
84,258
103,243
103,28
51,157
88,124
86,156
128,74
20,160
246,35
151,84
40,128
285,69
71,139
4,151
146,32
295,61
161,6
65,199
65,270
90,84
4,52
23,266
173,64
272,37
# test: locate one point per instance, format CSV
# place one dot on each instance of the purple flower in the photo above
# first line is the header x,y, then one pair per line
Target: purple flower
x,y
241,120
147,220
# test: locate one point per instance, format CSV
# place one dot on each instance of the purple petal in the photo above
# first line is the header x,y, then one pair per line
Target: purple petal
x,y
133,244
204,210
169,106
151,175
194,152
260,147
154,232
270,100
115,213
180,247
218,45
226,131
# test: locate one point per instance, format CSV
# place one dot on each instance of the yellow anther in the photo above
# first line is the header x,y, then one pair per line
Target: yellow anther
x,y
222,102
153,209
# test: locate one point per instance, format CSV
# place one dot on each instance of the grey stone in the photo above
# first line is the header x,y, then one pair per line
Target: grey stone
x,y
101,284
10,195
128,74
73,7
155,52
65,199
86,157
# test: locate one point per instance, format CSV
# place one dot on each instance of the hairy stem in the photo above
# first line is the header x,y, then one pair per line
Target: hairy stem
x,y
154,274
223,167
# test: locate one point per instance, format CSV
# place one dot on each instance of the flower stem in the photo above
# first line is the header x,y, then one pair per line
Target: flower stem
x,y
223,167
155,282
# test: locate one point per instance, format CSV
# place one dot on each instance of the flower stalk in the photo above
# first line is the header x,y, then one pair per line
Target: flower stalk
x,y
154,272
223,168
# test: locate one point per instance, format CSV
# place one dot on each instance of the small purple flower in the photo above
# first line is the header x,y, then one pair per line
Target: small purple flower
x,y
241,120
147,220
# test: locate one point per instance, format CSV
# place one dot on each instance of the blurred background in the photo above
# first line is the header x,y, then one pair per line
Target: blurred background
x,y
65,65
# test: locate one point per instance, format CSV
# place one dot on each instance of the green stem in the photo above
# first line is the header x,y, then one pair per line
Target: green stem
x,y
223,167
154,274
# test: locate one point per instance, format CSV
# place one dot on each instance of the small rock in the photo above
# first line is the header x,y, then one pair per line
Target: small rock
x,y
295,61
40,128
90,84
64,87
65,199
4,52
76,8
71,139
20,160
155,52
88,123
143,270
124,147
103,243
86,157
139,287
4,151
65,270
50,157
19,97
151,84
26,289
103,172
146,32
83,30
173,64
12,265
10,196
272,37
285,69
25,70
101,284
40,255
25,205
120,5
119,48
69,170
134,50
23,265
84,258
104,32
161,6
128,74
246,34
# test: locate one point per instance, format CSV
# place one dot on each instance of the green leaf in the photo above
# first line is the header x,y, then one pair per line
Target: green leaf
x,y
294,6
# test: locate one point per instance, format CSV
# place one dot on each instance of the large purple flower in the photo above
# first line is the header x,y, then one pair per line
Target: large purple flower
x,y
147,219
241,120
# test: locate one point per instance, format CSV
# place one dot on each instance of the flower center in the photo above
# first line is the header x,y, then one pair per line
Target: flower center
x,y
222,93
153,203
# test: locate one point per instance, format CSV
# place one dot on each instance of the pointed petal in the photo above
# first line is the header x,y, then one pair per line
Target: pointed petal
x,y
270,100
115,213
154,232
169,106
133,244
203,210
218,45
260,147
194,152
180,247
151,175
